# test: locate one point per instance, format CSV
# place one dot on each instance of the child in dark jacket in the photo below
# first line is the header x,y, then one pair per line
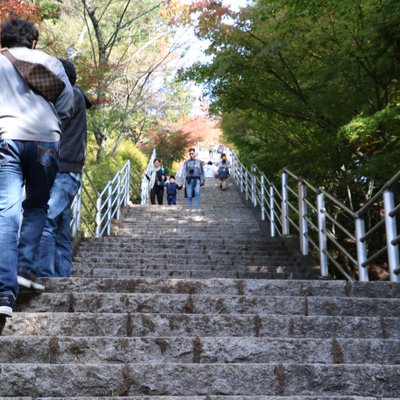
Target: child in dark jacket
x,y
172,188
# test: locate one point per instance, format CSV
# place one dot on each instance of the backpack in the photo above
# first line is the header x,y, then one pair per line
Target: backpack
x,y
223,172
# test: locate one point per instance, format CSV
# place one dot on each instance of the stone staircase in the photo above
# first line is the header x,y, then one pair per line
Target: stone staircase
x,y
196,304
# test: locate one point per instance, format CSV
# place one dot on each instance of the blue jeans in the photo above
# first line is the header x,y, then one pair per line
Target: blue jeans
x,y
193,187
171,199
55,251
34,164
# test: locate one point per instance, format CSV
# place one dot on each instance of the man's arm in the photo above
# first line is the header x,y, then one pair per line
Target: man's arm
x,y
65,101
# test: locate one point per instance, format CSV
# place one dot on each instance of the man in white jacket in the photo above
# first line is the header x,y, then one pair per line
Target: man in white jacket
x,y
30,129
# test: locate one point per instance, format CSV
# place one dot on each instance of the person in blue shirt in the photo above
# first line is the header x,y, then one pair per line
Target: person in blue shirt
x,y
172,188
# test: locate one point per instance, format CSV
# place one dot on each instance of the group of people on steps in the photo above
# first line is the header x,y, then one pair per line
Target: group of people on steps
x,y
191,177
42,152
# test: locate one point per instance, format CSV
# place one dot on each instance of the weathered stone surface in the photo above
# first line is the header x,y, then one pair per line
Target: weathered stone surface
x,y
200,379
104,350
116,397
203,317
213,286
213,304
142,324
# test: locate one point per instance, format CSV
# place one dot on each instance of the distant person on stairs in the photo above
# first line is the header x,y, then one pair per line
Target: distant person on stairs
x,y
193,175
223,171
157,178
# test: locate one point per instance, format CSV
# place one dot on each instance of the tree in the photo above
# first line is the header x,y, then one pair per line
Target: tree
x,y
288,77
120,50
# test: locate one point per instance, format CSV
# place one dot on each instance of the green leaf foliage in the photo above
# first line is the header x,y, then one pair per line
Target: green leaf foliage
x,y
309,85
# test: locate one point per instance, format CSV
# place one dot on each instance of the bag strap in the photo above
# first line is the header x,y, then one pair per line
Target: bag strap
x,y
6,53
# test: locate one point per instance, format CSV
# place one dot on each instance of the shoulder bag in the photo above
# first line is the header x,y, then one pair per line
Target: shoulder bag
x,y
38,77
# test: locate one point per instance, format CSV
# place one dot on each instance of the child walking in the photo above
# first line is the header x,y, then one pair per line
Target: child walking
x,y
172,188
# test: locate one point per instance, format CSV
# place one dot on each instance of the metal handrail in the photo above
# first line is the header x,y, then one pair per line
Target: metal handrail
x,y
145,181
325,222
96,211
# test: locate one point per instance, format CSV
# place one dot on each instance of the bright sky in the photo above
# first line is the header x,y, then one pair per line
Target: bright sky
x,y
235,4
196,48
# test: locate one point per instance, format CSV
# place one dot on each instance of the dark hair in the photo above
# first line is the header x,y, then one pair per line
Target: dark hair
x,y
171,176
192,149
156,159
17,32
69,70
223,155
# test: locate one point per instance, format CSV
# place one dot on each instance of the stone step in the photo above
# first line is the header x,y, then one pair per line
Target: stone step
x,y
207,237
200,379
176,223
182,260
141,264
207,397
182,220
154,325
181,250
98,272
208,304
230,287
204,350
137,246
158,227
122,241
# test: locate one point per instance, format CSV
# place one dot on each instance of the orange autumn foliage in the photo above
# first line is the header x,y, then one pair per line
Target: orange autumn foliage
x,y
20,8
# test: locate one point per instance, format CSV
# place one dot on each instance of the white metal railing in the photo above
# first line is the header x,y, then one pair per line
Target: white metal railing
x,y
145,181
97,210
344,240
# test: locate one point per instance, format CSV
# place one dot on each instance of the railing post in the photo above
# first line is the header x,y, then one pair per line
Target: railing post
x,y
98,218
272,211
253,185
361,249
79,208
234,167
262,198
109,210
246,185
76,211
391,235
127,183
241,179
302,191
323,247
118,214
285,205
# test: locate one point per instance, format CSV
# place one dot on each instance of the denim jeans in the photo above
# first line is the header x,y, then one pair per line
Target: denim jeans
x,y
34,164
193,187
55,251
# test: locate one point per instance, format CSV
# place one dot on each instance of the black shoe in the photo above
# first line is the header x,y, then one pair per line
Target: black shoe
x,y
6,304
28,280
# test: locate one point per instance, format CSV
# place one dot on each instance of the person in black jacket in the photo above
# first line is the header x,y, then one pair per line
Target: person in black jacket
x,y
157,178
55,251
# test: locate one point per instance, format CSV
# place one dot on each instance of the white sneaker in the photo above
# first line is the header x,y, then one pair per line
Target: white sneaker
x,y
29,281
